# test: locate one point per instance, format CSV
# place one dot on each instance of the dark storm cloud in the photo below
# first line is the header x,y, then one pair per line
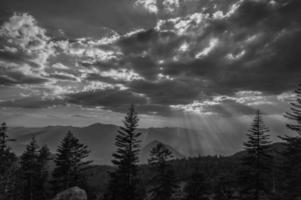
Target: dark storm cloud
x,y
146,48
97,77
257,50
118,101
19,58
158,44
251,12
13,78
32,102
269,61
145,66
107,98
62,77
266,35
230,108
111,99
168,92
204,49
98,17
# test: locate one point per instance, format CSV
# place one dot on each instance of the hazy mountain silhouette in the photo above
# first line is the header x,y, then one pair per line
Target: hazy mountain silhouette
x,y
274,149
145,151
101,138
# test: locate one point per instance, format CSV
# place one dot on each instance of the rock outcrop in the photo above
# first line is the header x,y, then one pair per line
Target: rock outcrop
x,y
74,193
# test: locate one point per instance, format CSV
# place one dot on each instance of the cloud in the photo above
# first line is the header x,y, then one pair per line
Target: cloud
x,y
108,99
121,74
205,56
94,19
91,50
32,102
22,30
166,92
171,6
13,78
63,76
217,107
189,24
243,102
158,7
22,34
212,44
212,57
60,66
149,5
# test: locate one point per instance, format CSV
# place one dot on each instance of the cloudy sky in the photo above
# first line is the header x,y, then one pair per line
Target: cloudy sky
x,y
192,63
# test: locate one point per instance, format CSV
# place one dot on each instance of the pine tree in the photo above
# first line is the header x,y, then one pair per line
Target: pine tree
x,y
6,156
123,182
7,165
197,187
163,183
256,162
71,164
43,175
30,169
292,154
14,183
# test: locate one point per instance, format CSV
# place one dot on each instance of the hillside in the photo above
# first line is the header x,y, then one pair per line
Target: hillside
x,y
145,151
100,139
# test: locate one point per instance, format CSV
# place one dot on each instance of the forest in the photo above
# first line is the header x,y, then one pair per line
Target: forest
x,y
262,171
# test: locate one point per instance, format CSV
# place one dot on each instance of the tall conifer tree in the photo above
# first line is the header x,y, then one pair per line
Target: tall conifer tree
x,y
7,165
163,183
30,171
6,155
123,182
292,154
256,162
71,164
33,173
43,172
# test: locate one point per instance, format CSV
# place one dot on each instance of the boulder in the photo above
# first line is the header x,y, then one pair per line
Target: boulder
x,y
74,193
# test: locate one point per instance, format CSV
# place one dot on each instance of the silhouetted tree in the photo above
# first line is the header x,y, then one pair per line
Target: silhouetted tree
x,y
71,164
292,154
123,182
30,171
256,162
7,159
197,187
43,174
163,183
6,155
33,172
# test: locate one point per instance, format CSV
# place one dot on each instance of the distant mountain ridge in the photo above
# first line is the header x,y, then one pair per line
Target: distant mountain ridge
x,y
145,151
100,139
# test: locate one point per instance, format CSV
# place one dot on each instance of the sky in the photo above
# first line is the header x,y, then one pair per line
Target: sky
x,y
204,64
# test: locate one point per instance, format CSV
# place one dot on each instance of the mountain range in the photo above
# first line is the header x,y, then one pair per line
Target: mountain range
x,y
100,139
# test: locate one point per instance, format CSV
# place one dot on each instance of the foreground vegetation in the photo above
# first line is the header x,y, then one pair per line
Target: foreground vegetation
x,y
262,171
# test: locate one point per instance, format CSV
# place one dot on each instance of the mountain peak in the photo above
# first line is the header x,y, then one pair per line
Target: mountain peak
x,y
145,151
95,125
100,125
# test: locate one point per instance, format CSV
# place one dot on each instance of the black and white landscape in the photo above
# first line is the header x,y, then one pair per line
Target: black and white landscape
x,y
150,100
